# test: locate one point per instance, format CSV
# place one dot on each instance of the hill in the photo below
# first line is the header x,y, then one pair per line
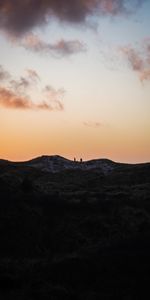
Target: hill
x,y
74,230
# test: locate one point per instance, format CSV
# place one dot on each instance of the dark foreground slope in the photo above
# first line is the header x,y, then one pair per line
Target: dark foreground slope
x,y
78,233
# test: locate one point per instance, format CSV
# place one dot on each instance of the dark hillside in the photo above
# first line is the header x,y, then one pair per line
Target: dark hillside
x,y
74,234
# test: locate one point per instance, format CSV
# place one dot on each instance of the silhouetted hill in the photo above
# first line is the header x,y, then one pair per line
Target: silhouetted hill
x,y
56,163
71,230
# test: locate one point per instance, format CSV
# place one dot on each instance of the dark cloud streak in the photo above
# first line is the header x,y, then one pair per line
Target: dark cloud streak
x,y
18,17
59,49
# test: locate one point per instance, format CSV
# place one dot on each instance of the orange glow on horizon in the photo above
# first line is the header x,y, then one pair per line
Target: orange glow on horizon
x,y
27,142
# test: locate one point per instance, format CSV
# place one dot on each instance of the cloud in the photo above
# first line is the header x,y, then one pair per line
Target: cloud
x,y
9,99
14,93
93,124
25,82
55,96
18,17
33,75
139,60
21,84
4,75
61,48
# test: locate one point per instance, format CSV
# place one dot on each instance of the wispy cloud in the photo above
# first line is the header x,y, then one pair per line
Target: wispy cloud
x,y
33,76
25,82
93,124
14,93
18,17
61,48
54,96
139,60
19,85
10,99
4,75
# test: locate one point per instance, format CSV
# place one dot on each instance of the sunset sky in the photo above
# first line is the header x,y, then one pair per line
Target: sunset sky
x,y
75,79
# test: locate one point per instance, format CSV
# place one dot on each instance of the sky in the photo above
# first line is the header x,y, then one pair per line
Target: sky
x,y
75,79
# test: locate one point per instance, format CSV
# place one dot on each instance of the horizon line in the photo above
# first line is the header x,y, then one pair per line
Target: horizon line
x,y
72,160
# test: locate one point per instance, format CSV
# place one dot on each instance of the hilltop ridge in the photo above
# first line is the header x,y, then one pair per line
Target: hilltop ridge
x,y
57,163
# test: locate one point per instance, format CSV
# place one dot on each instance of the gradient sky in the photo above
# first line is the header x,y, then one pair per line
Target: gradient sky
x,y
75,79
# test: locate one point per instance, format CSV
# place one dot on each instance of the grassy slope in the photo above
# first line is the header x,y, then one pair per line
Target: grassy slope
x,y
74,234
